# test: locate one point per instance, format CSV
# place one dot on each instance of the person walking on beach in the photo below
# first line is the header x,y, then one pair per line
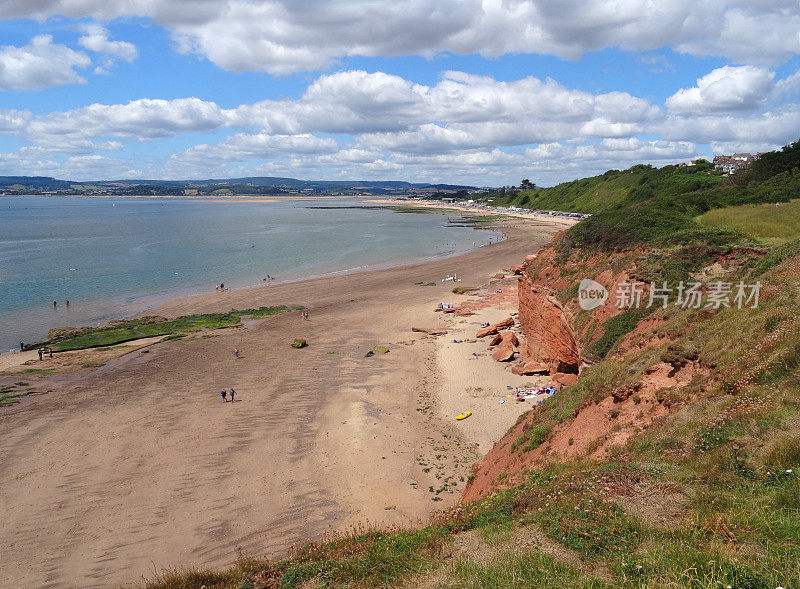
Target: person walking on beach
x,y
41,352
50,352
224,394
21,346
235,353
233,395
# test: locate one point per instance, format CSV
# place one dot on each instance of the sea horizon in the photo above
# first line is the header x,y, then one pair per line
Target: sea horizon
x,y
115,257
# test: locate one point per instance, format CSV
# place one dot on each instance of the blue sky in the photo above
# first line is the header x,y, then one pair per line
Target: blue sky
x,y
466,91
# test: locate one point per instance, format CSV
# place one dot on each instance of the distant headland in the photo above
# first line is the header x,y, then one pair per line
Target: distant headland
x,y
266,186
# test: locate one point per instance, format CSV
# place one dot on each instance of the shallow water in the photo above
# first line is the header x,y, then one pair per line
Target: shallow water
x,y
112,257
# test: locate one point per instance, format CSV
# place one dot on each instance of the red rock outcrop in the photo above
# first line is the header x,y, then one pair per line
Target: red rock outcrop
x,y
506,347
547,326
530,368
493,329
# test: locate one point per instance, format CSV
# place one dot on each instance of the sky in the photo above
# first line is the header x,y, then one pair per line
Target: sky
x,y
479,92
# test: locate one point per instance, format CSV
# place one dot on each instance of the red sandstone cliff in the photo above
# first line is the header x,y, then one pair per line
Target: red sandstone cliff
x,y
547,326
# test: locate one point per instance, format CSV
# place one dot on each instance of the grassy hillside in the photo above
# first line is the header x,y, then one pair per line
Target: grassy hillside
x,y
770,224
691,477
616,188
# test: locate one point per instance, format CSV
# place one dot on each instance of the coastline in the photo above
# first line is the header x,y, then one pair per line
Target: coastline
x,y
137,465
101,308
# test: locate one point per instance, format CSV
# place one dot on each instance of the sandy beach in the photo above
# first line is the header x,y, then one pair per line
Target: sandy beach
x,y
123,470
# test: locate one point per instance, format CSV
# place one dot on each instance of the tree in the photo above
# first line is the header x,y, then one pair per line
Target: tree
x,y
526,185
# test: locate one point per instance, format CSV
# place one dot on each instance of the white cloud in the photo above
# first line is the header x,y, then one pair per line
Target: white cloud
x,y
13,121
244,146
96,39
725,89
776,127
283,36
40,64
465,128
142,119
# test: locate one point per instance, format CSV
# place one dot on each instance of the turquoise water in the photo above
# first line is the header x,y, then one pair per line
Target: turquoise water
x,y
116,257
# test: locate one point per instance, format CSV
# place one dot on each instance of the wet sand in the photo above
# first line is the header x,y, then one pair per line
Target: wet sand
x,y
136,466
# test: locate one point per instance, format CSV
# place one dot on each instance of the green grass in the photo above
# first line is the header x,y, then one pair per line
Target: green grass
x,y
615,328
768,223
30,371
11,395
119,332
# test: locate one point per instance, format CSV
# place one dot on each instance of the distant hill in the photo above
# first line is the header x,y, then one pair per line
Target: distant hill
x,y
248,185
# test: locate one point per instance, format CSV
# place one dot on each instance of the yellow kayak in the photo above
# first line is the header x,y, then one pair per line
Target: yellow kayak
x,y
463,415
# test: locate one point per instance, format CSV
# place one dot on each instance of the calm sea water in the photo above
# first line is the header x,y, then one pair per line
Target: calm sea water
x,y
116,257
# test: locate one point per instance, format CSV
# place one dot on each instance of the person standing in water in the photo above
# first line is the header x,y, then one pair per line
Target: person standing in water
x,y
55,304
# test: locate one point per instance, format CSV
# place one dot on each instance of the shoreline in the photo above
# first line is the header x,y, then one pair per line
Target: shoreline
x,y
141,304
136,466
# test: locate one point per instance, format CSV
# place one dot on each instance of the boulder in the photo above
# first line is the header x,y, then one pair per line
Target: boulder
x,y
564,380
493,329
506,348
530,368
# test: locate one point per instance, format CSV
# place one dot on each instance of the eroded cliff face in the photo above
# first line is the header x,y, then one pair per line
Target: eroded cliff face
x,y
547,327
593,422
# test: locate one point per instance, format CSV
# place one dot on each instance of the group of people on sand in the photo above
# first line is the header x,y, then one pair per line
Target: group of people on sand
x,y
225,394
304,314
220,287
527,393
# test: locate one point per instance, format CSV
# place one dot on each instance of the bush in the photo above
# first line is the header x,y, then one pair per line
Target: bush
x,y
615,328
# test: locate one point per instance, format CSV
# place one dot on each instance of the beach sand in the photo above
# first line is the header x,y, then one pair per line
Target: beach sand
x,y
136,466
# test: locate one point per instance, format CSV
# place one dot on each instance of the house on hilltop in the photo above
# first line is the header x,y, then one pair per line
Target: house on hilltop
x,y
731,163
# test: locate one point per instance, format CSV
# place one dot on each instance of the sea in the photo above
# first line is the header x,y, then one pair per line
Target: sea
x,y
116,257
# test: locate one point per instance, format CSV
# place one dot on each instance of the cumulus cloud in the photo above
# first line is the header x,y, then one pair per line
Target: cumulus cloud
x,y
725,89
244,146
774,127
40,64
142,119
461,111
284,36
465,128
96,39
